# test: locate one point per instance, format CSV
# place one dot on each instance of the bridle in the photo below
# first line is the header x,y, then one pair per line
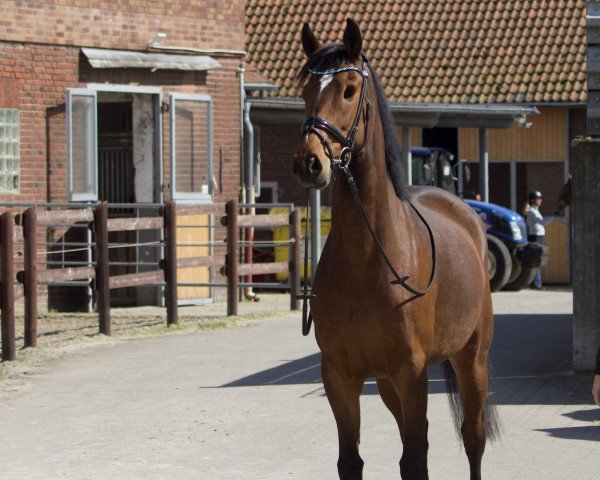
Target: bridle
x,y
316,124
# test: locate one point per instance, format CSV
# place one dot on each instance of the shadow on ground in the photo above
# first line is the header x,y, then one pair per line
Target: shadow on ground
x,y
530,363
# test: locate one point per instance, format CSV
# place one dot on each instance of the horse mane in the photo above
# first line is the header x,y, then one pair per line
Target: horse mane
x,y
334,56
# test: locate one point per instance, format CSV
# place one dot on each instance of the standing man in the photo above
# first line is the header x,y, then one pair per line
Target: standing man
x,y
535,229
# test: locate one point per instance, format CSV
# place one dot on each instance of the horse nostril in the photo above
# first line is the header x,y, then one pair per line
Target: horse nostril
x,y
313,165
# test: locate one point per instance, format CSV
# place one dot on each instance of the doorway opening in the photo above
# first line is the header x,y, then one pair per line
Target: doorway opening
x,y
127,175
441,137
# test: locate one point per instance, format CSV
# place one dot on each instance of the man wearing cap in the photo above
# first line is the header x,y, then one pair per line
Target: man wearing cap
x,y
535,229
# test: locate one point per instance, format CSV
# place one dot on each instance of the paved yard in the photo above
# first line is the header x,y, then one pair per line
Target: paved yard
x,y
246,402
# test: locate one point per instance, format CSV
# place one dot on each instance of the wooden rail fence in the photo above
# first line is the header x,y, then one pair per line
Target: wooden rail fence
x,y
25,283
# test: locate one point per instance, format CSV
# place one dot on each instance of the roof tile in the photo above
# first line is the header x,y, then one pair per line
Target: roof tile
x,y
439,51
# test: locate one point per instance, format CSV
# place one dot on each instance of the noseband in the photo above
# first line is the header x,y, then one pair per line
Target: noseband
x,y
316,124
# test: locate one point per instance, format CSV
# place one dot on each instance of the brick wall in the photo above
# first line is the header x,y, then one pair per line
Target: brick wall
x,y
9,95
277,146
40,58
126,25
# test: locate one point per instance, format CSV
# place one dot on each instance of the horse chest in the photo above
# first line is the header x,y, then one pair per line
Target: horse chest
x,y
362,329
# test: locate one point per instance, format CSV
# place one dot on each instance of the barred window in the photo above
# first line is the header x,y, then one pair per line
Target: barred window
x,y
9,150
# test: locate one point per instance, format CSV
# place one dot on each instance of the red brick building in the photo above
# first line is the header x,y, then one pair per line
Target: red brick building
x,y
125,102
96,98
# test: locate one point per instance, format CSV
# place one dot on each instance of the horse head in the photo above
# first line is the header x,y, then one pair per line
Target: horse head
x,y
334,92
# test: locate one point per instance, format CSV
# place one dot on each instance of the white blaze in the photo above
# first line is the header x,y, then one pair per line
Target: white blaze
x,y
325,80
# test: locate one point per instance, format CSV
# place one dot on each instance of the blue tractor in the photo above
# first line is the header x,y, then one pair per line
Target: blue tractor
x,y
512,261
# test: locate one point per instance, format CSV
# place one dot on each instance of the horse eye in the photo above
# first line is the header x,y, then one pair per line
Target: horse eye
x,y
349,92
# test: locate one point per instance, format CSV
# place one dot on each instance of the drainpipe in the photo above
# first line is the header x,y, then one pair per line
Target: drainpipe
x,y
250,193
484,177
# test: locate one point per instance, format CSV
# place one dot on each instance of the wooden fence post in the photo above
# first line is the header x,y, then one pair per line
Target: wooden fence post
x,y
294,268
231,210
170,225
29,224
102,270
7,276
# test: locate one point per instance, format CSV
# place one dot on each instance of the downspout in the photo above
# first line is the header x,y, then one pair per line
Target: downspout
x,y
241,69
250,194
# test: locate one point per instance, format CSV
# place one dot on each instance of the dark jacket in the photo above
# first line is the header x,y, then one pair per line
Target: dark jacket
x,y
597,371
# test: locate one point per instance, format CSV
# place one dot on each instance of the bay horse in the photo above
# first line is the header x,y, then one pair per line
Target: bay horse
x,y
438,308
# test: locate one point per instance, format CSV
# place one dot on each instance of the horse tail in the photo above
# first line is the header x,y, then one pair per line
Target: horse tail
x,y
491,421
453,396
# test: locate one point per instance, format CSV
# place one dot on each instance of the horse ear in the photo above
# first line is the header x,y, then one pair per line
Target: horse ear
x,y
352,40
309,40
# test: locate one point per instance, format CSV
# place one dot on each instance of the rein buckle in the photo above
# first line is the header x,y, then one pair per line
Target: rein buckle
x,y
309,296
345,157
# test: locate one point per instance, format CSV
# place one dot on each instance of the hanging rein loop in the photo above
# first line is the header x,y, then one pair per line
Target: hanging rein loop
x,y
306,315
400,280
315,125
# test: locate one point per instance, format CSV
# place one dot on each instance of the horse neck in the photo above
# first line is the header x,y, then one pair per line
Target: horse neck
x,y
385,211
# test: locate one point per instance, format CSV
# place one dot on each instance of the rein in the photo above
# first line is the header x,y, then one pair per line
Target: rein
x,y
313,125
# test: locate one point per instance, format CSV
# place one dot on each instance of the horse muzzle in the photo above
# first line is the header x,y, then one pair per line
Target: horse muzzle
x,y
311,171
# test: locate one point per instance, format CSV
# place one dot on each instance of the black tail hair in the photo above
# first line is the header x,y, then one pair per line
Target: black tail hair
x,y
491,421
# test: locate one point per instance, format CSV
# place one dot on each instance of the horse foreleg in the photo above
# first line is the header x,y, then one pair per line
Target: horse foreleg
x,y
343,395
411,385
392,401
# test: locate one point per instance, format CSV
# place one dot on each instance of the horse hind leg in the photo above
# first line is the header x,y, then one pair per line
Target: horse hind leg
x,y
344,397
479,421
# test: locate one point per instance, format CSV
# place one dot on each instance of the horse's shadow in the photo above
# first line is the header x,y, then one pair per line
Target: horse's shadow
x,y
589,431
530,364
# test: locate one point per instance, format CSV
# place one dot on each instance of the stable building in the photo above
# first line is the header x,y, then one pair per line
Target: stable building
x,y
499,84
131,103
502,82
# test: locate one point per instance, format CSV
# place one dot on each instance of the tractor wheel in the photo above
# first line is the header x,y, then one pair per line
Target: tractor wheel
x,y
521,279
499,263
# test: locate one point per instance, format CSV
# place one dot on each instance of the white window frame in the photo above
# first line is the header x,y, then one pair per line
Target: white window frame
x,y
91,196
190,197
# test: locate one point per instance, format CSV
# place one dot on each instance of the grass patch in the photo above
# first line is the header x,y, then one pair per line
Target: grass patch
x,y
212,325
152,330
259,315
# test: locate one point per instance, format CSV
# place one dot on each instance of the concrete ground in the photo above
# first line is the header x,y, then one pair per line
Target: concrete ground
x,y
247,402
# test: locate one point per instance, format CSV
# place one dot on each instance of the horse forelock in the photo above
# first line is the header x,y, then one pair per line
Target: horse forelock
x,y
334,56
330,56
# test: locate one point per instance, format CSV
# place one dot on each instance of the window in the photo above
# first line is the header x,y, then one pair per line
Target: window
x,y
9,150
82,145
191,147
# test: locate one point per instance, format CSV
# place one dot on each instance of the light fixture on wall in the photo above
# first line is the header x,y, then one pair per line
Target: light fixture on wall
x,y
522,122
157,40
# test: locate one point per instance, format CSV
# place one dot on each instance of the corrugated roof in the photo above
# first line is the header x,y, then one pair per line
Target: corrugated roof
x,y
436,51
